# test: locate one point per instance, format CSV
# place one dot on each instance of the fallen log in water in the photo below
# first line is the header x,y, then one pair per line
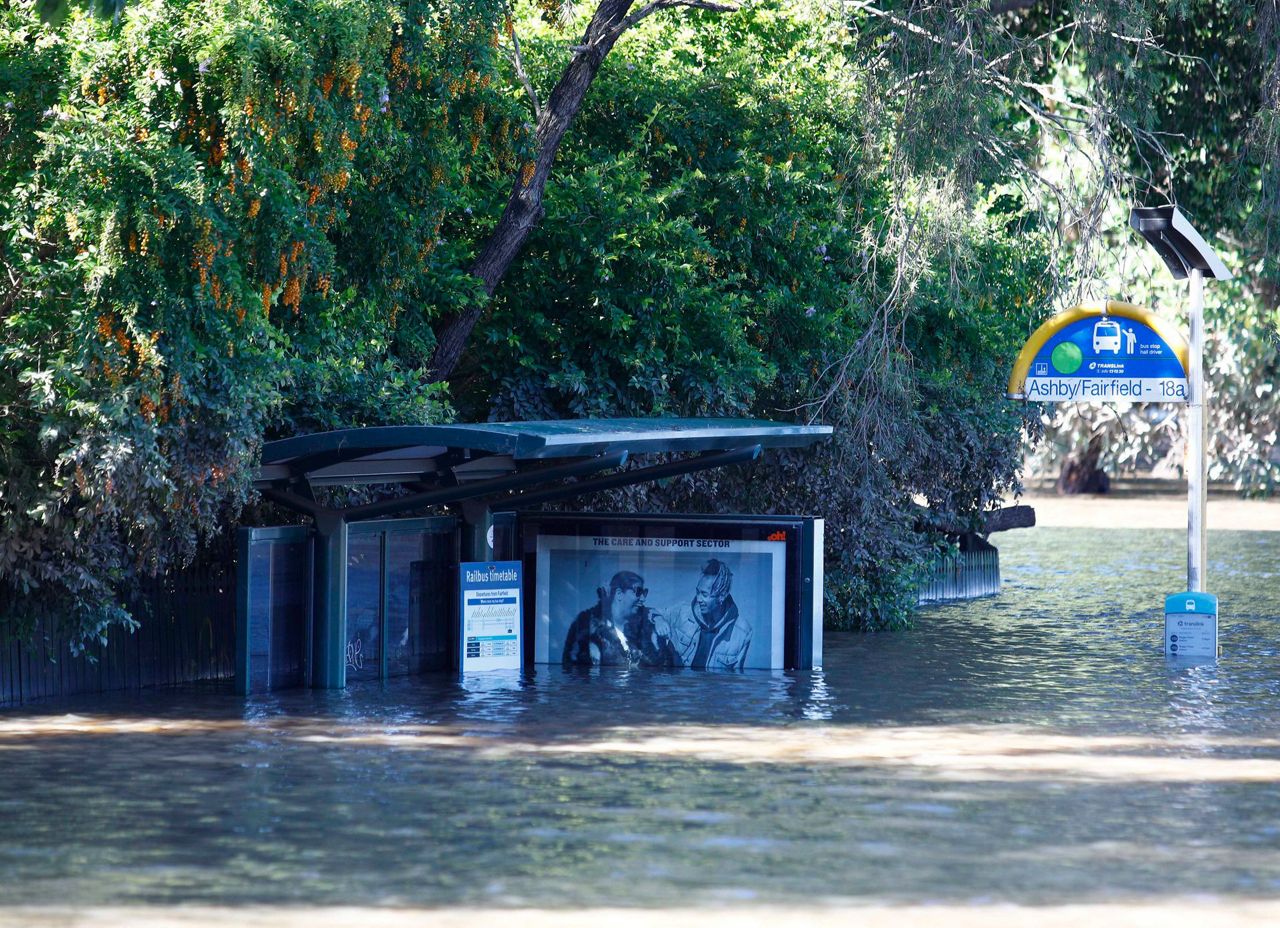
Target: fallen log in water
x,y
999,520
996,520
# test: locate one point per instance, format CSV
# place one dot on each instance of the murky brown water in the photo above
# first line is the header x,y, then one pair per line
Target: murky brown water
x,y
1033,750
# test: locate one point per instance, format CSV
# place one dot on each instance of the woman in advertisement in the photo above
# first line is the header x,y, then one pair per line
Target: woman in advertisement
x,y
620,628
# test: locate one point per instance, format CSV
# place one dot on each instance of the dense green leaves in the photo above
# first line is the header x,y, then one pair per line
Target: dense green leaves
x,y
720,242
694,243
220,219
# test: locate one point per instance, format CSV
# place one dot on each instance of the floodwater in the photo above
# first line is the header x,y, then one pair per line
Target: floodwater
x,y
1029,758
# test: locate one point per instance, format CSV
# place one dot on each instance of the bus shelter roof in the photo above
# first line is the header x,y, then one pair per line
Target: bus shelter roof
x,y
508,463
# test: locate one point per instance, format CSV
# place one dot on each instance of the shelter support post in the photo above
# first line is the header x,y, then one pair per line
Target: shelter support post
x,y
330,659
244,596
477,521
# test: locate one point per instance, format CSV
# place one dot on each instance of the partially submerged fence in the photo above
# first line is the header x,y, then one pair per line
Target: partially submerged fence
x,y
973,571
187,633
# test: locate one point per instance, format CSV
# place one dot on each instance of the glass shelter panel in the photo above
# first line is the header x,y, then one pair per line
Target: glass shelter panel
x,y
415,623
400,607
404,613
274,596
364,606
432,582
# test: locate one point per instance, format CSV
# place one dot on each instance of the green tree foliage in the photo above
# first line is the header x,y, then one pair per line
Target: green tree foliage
x,y
1088,105
721,242
219,219
234,219
1206,141
696,250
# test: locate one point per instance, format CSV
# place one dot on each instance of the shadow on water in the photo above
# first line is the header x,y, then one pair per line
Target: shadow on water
x,y
1033,748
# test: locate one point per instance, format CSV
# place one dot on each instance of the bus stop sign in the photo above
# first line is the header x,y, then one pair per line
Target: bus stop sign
x,y
1104,353
1191,626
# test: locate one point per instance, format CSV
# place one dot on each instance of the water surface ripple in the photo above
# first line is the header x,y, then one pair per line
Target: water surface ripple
x,y
1031,749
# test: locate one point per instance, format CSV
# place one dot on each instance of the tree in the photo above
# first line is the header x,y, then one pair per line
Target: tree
x,y
225,222
524,209
215,218
716,244
1214,93
1087,107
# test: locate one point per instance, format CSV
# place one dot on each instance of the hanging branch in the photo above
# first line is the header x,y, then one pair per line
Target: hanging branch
x,y
517,62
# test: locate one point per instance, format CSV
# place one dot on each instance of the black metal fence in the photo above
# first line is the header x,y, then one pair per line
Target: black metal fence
x,y
971,572
187,633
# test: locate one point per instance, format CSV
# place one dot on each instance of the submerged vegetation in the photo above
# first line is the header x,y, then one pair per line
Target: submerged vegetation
x,y
233,220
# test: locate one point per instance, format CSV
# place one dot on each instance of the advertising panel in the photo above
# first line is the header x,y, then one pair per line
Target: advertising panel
x,y
714,604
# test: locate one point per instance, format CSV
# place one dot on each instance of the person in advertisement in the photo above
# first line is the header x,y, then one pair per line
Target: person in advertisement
x,y
705,630
619,628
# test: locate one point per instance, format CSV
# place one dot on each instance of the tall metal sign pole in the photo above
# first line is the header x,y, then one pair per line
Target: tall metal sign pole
x,y
1197,465
1187,256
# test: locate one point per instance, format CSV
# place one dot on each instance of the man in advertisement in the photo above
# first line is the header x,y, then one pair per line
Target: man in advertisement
x,y
619,628
705,631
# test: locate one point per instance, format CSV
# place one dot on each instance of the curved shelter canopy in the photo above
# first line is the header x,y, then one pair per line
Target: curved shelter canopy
x,y
507,463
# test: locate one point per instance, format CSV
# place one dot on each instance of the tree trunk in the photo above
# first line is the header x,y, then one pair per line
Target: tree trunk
x,y
524,207
1081,473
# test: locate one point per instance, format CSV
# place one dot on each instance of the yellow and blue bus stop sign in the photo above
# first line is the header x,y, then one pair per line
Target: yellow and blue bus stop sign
x,y
1102,352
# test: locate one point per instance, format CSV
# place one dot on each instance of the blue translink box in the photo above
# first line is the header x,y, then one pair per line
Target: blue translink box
x,y
1191,625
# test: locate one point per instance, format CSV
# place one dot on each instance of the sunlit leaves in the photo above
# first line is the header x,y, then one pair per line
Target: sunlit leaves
x,y
221,220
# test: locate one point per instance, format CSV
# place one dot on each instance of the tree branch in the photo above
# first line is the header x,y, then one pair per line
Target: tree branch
x,y
1008,6
524,206
517,62
656,5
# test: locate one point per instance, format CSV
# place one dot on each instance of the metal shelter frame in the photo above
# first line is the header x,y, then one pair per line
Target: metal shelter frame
x,y
482,468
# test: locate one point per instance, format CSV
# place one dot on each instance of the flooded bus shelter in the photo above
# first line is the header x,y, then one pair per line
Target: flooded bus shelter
x,y
369,592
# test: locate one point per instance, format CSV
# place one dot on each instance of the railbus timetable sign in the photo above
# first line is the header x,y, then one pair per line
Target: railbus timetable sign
x,y
1102,352
491,615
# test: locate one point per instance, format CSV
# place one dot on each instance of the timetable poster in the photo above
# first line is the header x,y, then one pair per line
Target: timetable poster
x,y
491,615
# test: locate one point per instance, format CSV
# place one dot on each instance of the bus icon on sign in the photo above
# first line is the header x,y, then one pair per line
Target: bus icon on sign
x,y
1106,336
1042,369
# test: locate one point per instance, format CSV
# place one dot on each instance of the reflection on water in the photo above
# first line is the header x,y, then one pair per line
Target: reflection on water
x,y
1030,750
